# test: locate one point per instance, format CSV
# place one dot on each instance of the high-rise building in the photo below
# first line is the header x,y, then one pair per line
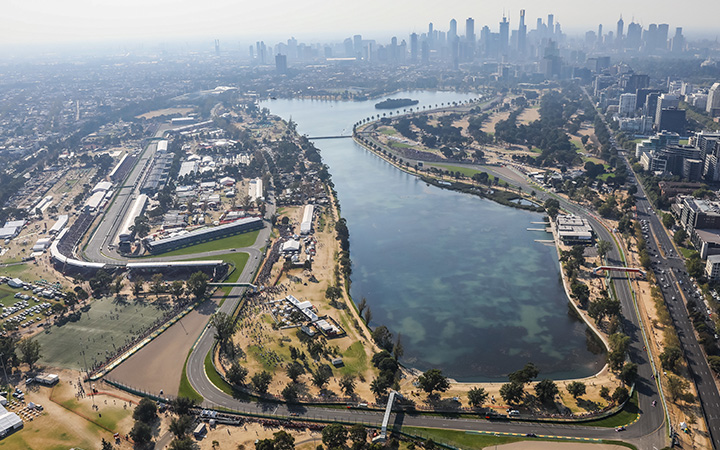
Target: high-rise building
x,y
678,41
620,29
281,64
470,29
627,105
713,100
504,34
662,36
414,48
634,35
452,32
217,47
600,34
551,24
522,33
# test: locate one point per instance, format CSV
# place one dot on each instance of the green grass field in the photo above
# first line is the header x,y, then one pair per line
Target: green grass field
x,y
238,241
105,325
628,414
7,295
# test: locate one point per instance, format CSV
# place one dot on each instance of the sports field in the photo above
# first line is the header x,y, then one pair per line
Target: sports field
x,y
105,326
238,241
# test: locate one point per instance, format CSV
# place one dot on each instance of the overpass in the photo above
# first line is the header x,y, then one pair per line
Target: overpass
x,y
618,269
255,288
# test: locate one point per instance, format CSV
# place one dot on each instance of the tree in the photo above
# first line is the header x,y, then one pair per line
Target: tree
x,y
179,426
137,286
261,381
117,285
714,362
145,411
524,375
620,395
290,392
236,374
398,349
379,387
177,289
321,376
603,247
294,370
680,236
629,373
182,405
197,284
29,352
678,388
576,389
106,445
283,441
358,435
433,380
546,390
383,337
333,293
605,392
512,393
668,220
477,396
185,443
347,384
552,207
141,433
334,436
157,285
224,329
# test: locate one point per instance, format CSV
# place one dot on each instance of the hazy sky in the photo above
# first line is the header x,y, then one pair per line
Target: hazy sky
x,y
56,21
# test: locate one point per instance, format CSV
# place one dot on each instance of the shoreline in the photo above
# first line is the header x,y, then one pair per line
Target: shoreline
x,y
588,323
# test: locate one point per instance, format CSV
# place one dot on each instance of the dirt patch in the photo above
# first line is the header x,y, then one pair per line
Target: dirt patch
x,y
164,112
166,354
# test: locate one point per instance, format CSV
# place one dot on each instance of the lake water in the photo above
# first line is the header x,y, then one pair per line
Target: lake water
x,y
459,277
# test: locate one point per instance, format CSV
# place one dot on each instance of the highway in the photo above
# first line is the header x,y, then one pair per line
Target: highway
x,y
676,287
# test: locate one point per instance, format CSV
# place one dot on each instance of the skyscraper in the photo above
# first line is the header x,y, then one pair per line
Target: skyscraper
x,y
504,34
634,35
678,41
551,24
620,29
452,32
600,34
470,29
281,64
414,47
522,33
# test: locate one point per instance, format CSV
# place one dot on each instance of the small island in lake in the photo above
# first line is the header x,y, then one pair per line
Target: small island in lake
x,y
393,103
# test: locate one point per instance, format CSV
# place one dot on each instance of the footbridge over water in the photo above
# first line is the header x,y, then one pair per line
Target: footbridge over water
x,y
599,269
329,137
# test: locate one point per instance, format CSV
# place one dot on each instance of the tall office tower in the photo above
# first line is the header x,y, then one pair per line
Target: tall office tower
x,y
251,52
627,105
349,50
217,47
470,30
634,35
522,33
600,35
281,64
425,52
452,32
620,29
414,48
662,36
431,34
357,45
260,46
678,41
551,24
650,37
504,34
539,27
713,100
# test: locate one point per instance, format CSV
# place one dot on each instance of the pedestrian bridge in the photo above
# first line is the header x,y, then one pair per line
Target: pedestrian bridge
x,y
599,269
255,288
329,137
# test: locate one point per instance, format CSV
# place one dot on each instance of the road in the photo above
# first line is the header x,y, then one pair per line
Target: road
x,y
676,287
647,433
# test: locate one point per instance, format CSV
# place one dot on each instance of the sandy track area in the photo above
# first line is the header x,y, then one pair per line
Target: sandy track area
x,y
158,365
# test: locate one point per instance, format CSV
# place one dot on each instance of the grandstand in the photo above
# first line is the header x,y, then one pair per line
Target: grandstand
x,y
121,170
125,236
203,235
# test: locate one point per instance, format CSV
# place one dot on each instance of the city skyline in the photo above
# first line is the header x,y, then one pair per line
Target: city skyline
x,y
45,22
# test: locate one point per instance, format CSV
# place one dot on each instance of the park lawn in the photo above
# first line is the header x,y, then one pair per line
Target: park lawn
x,y
468,172
7,295
22,271
628,414
461,439
186,389
388,131
354,360
238,260
106,325
686,252
238,241
399,145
